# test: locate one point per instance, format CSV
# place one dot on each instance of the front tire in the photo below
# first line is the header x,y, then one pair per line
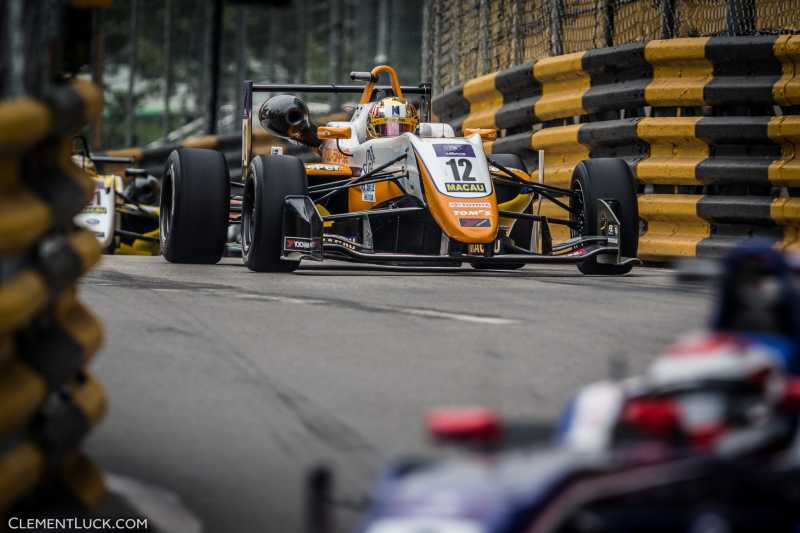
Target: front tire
x,y
195,202
607,179
271,179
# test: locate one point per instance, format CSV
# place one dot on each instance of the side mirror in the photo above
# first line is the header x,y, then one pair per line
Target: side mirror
x,y
325,133
487,134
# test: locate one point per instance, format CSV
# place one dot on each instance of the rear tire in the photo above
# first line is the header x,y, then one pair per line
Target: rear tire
x,y
271,179
522,228
195,203
607,179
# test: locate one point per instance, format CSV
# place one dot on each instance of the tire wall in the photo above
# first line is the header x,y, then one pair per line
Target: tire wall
x,y
49,399
709,125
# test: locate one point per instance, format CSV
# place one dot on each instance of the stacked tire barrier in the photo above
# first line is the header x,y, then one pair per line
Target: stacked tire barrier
x,y
154,159
709,125
49,400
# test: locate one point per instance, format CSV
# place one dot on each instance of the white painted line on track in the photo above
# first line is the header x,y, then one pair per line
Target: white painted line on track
x,y
495,321
411,311
282,299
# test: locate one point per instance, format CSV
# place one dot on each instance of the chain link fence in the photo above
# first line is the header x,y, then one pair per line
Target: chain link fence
x,y
464,39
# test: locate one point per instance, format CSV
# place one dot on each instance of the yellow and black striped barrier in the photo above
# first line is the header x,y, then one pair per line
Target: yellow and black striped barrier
x,y
48,399
681,151
709,126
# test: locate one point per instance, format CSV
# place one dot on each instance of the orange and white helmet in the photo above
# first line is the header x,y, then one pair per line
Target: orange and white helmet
x,y
392,116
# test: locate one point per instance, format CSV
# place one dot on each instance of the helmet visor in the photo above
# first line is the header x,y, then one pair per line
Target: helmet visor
x,y
392,128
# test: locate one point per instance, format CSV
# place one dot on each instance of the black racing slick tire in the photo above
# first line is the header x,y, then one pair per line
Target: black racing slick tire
x,y
607,179
194,208
522,228
271,179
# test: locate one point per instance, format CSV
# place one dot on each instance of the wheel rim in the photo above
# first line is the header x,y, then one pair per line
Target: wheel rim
x,y
248,215
577,214
166,208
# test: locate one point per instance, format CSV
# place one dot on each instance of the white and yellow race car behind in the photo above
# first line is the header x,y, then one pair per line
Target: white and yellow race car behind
x,y
123,211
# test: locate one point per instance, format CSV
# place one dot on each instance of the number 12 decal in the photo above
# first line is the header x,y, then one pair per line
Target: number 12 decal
x,y
466,163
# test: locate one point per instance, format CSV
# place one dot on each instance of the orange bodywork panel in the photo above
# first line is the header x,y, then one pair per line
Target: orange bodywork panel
x,y
487,134
359,200
328,169
331,155
325,133
449,211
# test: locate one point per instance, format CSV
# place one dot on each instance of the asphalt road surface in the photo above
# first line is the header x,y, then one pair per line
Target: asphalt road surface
x,y
226,385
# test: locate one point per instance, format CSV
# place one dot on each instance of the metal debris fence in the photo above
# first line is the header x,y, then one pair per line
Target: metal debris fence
x,y
463,39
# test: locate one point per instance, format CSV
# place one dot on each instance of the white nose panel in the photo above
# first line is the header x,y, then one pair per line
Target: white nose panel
x,y
458,167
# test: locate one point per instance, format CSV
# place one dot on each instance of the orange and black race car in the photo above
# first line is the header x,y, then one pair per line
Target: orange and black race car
x,y
392,188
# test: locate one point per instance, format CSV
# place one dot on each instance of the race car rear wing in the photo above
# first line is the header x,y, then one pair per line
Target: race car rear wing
x,y
248,88
331,88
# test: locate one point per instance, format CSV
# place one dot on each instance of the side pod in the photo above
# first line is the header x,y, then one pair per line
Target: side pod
x,y
302,229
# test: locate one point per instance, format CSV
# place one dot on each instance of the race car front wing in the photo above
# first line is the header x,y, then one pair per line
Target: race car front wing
x,y
304,238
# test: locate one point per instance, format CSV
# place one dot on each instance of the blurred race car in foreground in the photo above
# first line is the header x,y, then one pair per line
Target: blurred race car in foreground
x,y
392,188
123,212
705,441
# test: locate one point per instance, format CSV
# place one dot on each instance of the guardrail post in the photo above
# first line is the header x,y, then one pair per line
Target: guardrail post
x,y
13,49
216,51
130,107
335,47
667,19
740,17
556,10
425,68
608,23
483,45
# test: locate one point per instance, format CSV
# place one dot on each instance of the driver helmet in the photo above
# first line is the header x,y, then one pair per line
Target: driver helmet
x,y
391,117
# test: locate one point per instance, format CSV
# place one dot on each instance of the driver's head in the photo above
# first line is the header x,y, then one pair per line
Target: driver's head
x,y
391,116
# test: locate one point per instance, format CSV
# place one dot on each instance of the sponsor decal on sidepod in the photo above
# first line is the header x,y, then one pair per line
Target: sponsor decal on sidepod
x,y
474,222
298,243
464,187
453,150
